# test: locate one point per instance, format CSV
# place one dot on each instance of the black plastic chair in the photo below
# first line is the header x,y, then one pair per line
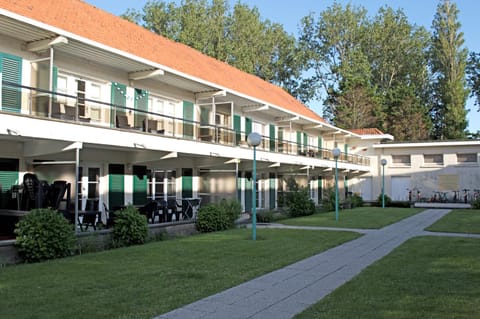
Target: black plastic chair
x,y
172,208
149,210
161,210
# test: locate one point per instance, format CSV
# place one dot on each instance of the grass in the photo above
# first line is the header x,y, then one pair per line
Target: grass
x,y
428,277
144,281
361,217
459,221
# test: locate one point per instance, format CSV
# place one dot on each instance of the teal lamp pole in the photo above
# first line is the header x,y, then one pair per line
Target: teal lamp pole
x,y
383,162
254,139
336,154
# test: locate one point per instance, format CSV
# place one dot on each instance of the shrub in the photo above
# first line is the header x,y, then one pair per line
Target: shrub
x,y
299,203
328,199
476,203
357,200
130,227
44,234
265,216
388,200
212,218
232,208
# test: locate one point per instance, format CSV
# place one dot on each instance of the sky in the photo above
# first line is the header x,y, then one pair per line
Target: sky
x,y
290,12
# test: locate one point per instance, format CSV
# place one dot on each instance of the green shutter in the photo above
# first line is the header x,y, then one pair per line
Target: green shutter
x,y
272,138
248,127
299,142
187,119
139,185
305,141
320,188
141,103
320,146
55,79
8,178
272,191
116,182
119,100
237,128
187,183
11,70
248,191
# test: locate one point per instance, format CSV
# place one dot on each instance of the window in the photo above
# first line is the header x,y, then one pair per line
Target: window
x,y
466,158
433,159
401,160
161,184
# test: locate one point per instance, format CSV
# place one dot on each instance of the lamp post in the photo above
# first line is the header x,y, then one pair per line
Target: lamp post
x,y
383,162
254,139
336,154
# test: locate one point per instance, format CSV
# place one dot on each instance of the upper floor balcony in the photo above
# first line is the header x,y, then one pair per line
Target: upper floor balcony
x,y
44,104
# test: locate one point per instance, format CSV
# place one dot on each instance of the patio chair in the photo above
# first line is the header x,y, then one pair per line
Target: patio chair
x,y
151,126
56,111
57,193
149,210
161,210
110,215
122,121
172,208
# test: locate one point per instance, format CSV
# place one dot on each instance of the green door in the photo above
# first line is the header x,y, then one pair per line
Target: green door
x,y
11,70
116,185
139,185
187,119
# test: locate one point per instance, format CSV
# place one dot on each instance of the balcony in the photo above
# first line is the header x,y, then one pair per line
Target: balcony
x,y
43,104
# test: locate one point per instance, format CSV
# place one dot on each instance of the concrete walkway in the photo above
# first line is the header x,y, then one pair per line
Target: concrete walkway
x,y
290,290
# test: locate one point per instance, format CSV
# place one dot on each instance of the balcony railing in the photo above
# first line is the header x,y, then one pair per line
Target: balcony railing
x,y
46,104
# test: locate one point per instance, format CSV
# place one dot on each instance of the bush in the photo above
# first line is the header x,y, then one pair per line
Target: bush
x,y
476,203
265,216
356,200
232,208
299,203
388,200
328,200
212,218
44,234
130,227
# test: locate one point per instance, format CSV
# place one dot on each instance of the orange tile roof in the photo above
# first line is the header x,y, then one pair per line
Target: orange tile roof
x,y
85,20
367,131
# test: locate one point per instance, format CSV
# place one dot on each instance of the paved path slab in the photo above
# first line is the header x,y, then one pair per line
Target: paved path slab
x,y
290,290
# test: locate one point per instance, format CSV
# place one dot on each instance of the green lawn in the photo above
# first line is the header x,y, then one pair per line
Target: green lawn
x,y
361,217
459,221
428,277
144,281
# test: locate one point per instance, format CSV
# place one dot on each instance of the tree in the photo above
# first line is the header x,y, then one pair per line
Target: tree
x,y
448,62
329,42
238,37
398,57
473,72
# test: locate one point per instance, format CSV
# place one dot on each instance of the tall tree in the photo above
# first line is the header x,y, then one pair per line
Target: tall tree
x,y
398,57
473,72
238,37
448,63
331,43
